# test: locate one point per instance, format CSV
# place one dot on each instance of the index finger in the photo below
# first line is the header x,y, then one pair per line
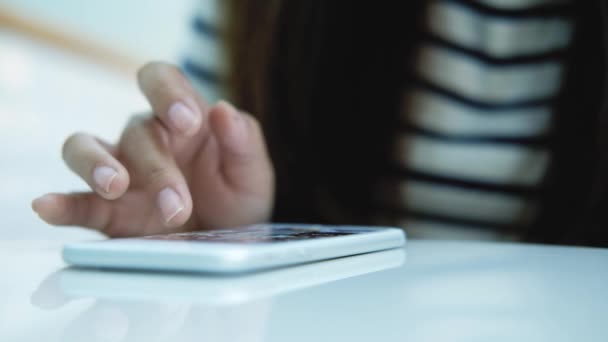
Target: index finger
x,y
173,99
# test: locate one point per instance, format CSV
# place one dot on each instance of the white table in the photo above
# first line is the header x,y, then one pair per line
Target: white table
x,y
444,291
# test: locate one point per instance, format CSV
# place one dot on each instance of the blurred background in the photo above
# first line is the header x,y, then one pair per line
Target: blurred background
x,y
66,66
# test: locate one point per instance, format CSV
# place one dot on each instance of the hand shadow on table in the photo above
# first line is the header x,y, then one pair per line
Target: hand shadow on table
x,y
129,319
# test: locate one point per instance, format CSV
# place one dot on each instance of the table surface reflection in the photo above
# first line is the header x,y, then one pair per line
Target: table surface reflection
x,y
429,291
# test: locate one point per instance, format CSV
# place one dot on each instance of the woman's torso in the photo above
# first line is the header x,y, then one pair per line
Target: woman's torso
x,y
468,150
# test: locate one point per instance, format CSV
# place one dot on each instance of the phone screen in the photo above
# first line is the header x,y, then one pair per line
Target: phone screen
x,y
261,234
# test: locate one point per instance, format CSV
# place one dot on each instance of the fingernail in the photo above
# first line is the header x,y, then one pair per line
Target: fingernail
x,y
170,204
182,118
103,176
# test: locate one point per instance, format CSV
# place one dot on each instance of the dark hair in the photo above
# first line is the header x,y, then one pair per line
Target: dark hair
x,y
318,74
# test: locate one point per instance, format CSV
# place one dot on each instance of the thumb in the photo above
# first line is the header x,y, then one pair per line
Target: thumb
x,y
244,159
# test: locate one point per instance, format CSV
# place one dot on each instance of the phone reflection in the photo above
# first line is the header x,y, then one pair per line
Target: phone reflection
x,y
145,306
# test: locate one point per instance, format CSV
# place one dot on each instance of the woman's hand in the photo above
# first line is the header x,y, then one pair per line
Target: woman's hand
x,y
188,166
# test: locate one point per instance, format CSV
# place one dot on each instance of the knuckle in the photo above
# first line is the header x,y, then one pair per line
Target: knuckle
x,y
150,68
164,84
157,73
254,123
157,176
167,91
72,142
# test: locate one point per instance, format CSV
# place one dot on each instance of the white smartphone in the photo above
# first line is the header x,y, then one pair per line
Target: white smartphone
x,y
241,249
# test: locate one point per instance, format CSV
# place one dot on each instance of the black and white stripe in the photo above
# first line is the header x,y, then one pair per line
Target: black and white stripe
x,y
472,150
205,61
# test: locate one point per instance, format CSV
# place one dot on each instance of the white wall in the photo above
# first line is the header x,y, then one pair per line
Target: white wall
x,y
143,29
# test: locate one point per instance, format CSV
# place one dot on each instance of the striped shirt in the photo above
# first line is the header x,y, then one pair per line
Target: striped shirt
x,y
476,116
